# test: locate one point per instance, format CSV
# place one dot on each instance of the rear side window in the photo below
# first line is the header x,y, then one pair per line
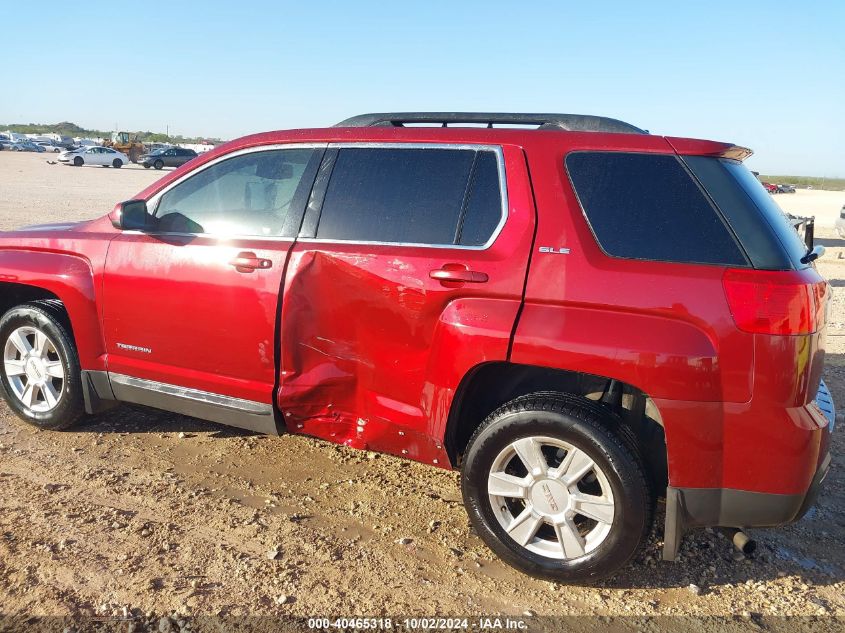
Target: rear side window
x,y
647,206
413,196
761,226
483,207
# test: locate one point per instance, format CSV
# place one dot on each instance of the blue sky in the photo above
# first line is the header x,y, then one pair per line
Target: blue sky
x,y
768,75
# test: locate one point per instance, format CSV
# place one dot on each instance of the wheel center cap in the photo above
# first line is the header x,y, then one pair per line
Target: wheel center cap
x,y
549,496
34,368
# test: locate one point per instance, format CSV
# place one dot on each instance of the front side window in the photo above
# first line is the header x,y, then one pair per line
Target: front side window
x,y
249,194
415,196
647,206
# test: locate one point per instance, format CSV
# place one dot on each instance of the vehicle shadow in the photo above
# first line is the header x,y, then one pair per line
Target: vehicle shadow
x,y
709,561
829,242
132,418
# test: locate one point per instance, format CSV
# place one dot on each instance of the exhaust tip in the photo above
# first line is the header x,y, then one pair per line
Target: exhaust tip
x,y
744,544
741,541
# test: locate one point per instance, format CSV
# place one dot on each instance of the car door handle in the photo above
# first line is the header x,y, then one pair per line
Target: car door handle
x,y
248,262
458,273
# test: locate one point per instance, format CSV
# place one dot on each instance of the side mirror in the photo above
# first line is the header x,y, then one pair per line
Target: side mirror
x,y
131,215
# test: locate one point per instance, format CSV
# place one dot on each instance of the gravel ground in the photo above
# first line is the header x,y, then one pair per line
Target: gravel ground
x,y
146,514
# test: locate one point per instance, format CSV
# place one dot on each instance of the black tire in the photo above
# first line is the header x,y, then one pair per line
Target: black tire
x,y
50,319
587,427
77,161
117,163
158,164
146,166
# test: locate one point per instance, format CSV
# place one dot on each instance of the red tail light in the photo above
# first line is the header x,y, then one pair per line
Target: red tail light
x,y
775,302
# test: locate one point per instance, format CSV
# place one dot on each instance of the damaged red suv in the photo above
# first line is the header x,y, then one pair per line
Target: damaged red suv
x,y
580,316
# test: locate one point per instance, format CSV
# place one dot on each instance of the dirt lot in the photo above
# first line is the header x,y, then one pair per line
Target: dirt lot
x,y
143,512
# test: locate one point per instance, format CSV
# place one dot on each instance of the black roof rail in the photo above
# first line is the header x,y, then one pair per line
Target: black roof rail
x,y
569,122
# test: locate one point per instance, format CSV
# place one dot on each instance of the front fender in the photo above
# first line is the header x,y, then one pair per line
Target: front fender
x,y
71,279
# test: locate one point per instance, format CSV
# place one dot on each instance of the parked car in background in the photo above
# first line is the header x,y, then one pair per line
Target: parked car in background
x,y
26,146
104,156
786,188
840,222
770,187
169,157
49,147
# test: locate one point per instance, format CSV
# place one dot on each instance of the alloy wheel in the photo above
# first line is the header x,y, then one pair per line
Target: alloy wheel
x,y
34,369
551,497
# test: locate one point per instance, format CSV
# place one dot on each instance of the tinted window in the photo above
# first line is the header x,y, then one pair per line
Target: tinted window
x,y
245,195
399,195
647,206
761,226
483,209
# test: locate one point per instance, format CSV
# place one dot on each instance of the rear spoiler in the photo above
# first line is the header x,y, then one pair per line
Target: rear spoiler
x,y
737,153
709,148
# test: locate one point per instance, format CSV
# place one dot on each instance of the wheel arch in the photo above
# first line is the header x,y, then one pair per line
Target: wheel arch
x,y
487,386
65,279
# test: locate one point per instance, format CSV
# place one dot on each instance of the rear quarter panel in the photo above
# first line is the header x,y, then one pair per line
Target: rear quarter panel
x,y
664,328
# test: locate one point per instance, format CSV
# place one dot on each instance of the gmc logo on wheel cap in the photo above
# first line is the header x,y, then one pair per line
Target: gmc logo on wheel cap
x,y
550,498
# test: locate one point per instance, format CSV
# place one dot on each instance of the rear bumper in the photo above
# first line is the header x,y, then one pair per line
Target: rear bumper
x,y
727,507
742,508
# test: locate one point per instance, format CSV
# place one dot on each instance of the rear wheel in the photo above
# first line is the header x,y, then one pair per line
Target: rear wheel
x,y
77,161
117,163
554,491
40,374
158,164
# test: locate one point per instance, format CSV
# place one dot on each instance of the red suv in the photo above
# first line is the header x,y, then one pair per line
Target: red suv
x,y
580,316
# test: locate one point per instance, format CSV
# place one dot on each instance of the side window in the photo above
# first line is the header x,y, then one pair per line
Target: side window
x,y
483,208
249,194
406,195
647,206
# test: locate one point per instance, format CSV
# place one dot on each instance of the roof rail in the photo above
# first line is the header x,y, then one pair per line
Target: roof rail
x,y
568,122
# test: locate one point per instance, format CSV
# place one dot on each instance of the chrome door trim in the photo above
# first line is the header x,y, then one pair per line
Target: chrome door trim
x,y
207,397
477,147
213,236
245,414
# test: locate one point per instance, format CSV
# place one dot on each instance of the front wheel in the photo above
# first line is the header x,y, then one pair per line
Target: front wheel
x,y
77,161
158,164
117,163
40,374
554,490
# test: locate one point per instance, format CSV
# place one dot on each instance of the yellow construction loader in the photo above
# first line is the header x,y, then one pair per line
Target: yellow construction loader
x,y
129,145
